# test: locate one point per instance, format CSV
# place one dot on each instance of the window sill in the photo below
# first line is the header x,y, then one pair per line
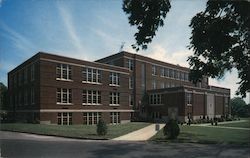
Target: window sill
x,y
189,104
92,82
114,85
64,104
86,104
114,104
61,79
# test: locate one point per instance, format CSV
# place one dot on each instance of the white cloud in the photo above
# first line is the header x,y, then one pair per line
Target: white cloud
x,y
73,34
20,41
1,2
160,53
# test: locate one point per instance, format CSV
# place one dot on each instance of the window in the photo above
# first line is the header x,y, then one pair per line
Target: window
x,y
25,79
32,95
130,64
171,73
162,72
166,72
167,84
189,99
25,97
131,100
115,117
91,97
186,77
162,85
91,75
114,79
153,70
32,72
63,72
177,74
156,99
226,101
64,96
64,118
153,84
20,98
20,78
131,83
91,118
182,76
114,98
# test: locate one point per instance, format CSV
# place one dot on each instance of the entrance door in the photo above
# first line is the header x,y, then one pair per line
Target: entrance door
x,y
210,105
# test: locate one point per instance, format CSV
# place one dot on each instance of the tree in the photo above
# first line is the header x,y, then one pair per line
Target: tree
x,y
3,97
239,107
102,128
220,36
221,41
147,15
171,129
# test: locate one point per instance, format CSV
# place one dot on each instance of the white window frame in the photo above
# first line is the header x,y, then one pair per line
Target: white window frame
x,y
92,116
189,99
114,79
156,99
154,70
68,118
60,69
115,118
153,84
130,64
131,82
91,93
94,73
114,99
68,95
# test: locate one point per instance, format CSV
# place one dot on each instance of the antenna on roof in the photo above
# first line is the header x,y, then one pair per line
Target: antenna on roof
x,y
122,45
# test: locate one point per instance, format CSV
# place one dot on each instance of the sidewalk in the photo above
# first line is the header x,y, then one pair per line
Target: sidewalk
x,y
141,134
208,124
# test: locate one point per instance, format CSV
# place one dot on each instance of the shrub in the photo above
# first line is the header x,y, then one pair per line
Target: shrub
x,y
171,129
101,128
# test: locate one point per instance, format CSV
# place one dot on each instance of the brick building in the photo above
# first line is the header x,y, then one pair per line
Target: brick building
x,y
53,89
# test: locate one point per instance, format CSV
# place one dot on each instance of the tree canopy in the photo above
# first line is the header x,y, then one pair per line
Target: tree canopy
x,y
221,41
239,107
147,15
220,36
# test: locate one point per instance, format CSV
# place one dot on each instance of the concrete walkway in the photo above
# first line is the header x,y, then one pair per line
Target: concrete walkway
x,y
227,122
141,134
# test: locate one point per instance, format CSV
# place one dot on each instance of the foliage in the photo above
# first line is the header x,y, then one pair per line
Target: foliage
x,y
171,129
3,96
147,16
102,128
239,107
221,41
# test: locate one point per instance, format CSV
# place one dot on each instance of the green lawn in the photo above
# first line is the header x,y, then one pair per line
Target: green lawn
x,y
201,134
76,131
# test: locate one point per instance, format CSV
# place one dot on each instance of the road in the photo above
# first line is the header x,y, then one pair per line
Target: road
x,y
28,145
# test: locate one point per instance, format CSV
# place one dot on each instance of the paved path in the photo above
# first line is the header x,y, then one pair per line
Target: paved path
x,y
209,125
141,134
226,122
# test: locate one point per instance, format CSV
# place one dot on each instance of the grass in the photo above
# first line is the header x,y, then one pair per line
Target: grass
x,y
199,134
74,131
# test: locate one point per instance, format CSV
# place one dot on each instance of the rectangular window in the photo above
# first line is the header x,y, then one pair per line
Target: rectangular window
x,y
25,97
153,84
153,70
131,100
171,73
162,72
114,79
25,77
186,77
162,85
130,64
64,118
63,72
32,72
114,99
32,95
91,97
115,117
20,78
166,72
182,76
189,99
156,99
131,83
91,118
64,96
226,101
177,74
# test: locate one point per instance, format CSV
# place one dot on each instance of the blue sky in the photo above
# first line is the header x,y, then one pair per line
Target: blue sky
x,y
89,30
